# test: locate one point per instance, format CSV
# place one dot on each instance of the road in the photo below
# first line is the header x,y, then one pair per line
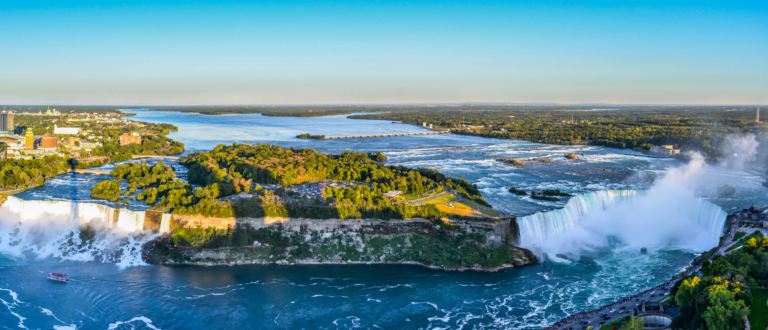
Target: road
x,y
620,309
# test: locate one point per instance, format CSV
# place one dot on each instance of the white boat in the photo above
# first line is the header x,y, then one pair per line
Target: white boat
x,y
58,277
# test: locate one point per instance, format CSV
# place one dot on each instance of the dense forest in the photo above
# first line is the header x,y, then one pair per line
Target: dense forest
x,y
310,136
107,189
233,168
157,186
722,297
142,175
640,127
20,174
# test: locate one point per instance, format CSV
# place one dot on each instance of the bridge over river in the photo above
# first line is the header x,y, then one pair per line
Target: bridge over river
x,y
154,156
383,135
90,171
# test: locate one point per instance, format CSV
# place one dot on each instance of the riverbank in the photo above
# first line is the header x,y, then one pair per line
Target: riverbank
x,y
519,262
624,307
465,245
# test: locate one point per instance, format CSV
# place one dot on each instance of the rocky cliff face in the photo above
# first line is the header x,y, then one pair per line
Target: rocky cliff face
x,y
495,232
450,245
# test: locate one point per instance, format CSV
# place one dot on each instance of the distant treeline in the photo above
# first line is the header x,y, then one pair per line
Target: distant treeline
x,y
699,128
64,109
273,111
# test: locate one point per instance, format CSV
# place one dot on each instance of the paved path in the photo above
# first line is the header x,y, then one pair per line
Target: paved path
x,y
616,310
624,307
419,201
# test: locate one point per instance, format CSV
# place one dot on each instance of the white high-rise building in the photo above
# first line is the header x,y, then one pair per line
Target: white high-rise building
x,y
66,130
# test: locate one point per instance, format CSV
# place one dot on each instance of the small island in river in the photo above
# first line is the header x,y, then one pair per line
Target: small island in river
x,y
264,204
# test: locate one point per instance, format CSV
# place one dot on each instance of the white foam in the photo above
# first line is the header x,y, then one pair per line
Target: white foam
x,y
147,323
53,228
65,327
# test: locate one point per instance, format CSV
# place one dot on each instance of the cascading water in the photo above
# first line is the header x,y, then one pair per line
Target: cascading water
x,y
73,230
541,226
130,220
638,218
165,223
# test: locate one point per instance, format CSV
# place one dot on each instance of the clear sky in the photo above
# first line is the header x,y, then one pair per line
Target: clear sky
x,y
328,52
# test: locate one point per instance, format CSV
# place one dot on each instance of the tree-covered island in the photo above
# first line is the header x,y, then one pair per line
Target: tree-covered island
x,y
447,218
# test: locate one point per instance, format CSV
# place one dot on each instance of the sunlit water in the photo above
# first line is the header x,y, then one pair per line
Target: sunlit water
x,y
103,295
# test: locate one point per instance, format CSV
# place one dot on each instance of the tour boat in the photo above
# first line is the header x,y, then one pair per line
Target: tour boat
x,y
643,251
58,277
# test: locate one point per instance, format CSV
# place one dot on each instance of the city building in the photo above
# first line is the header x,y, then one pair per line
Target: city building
x,y
29,140
654,316
66,130
127,139
666,150
49,143
88,146
73,142
393,193
6,122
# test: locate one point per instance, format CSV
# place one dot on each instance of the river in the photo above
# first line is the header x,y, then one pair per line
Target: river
x,y
119,292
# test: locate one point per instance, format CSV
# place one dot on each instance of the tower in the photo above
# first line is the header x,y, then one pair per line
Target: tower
x,y
30,140
757,119
6,122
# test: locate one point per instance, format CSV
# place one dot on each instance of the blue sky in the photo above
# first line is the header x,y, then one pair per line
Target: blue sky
x,y
313,52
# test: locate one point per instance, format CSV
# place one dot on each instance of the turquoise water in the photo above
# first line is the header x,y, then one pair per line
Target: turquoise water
x,y
105,295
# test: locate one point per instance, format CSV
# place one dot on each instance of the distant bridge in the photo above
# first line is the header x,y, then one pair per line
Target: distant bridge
x,y
89,171
154,156
383,135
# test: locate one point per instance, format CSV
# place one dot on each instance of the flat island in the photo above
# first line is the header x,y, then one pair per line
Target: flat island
x,y
265,204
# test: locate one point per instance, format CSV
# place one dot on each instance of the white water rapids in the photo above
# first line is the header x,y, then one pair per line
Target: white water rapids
x,y
638,218
55,229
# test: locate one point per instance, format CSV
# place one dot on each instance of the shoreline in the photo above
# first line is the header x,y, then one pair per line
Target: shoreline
x,y
575,319
348,263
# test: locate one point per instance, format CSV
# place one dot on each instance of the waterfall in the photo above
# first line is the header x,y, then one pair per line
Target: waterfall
x,y
90,212
82,213
33,209
639,218
73,230
130,220
165,223
541,226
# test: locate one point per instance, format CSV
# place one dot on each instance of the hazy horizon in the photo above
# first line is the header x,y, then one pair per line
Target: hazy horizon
x,y
330,105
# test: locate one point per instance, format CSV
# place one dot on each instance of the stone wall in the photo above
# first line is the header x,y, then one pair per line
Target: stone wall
x,y
152,220
192,221
495,232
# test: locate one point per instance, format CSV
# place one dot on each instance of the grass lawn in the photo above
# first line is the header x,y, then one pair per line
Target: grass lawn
x,y
482,209
758,312
442,199
409,197
453,210
615,323
491,213
462,206
738,236
744,240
